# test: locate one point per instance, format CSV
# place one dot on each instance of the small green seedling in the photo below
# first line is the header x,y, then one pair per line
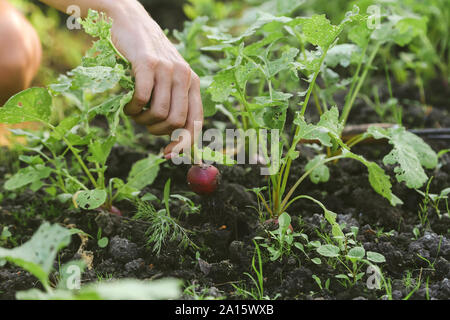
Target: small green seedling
x,y
163,227
102,242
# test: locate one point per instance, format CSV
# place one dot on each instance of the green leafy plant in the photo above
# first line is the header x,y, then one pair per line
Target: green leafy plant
x,y
38,254
163,227
276,55
102,242
344,251
5,236
100,86
282,240
258,282
249,70
434,200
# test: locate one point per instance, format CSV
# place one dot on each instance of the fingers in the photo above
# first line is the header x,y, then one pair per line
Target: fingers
x,y
161,96
178,103
144,75
173,90
194,120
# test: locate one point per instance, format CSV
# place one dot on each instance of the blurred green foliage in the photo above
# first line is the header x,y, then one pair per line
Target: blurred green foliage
x,y
62,48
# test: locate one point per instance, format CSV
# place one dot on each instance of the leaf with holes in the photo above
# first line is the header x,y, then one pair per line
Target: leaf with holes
x,y
222,85
410,153
311,132
96,79
33,104
319,31
38,254
91,199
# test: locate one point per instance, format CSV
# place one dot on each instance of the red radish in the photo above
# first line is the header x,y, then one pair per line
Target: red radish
x,y
275,222
116,211
203,179
113,210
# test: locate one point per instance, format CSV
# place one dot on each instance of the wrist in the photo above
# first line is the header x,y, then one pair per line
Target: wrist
x,y
118,8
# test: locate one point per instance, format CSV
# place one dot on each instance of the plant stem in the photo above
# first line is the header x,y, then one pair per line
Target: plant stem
x,y
81,162
348,106
117,52
246,105
303,177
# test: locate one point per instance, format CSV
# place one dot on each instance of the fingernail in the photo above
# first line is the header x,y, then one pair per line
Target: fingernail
x,y
169,156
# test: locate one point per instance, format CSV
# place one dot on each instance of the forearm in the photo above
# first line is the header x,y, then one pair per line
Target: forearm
x,y
111,7
163,79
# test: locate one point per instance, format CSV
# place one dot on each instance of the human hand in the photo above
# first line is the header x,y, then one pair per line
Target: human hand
x,y
164,80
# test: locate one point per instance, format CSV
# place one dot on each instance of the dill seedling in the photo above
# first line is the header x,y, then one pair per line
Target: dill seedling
x,y
162,227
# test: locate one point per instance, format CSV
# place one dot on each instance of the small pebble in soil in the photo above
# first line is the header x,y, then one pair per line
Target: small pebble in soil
x,y
445,287
123,250
135,265
397,295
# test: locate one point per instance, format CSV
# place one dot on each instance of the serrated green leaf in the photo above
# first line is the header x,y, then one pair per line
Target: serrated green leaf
x,y
96,79
144,172
97,24
379,181
222,85
100,150
330,121
283,63
312,132
319,31
64,126
272,117
243,73
100,54
410,153
341,54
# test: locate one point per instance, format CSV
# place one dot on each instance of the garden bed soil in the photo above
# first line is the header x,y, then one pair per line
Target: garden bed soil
x,y
227,223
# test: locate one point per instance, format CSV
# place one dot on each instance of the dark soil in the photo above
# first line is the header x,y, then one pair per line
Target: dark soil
x,y
224,228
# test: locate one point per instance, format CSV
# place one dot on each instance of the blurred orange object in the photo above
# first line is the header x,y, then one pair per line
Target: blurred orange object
x,y
7,138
